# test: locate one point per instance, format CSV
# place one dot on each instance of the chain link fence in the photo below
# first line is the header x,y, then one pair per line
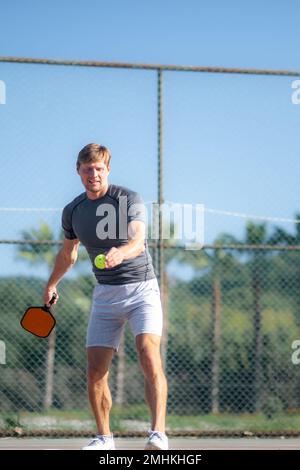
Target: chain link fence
x,y
231,341
227,348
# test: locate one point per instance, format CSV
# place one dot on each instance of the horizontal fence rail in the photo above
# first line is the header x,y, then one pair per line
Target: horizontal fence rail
x,y
169,68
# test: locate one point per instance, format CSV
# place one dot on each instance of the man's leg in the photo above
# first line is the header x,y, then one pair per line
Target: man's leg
x,y
148,348
99,359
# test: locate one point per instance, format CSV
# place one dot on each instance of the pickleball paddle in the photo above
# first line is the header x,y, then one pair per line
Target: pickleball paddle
x,y
39,320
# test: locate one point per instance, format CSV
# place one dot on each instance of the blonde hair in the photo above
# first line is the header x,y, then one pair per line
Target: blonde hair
x,y
92,153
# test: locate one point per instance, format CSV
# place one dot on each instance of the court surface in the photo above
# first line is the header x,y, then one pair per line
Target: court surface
x,y
10,443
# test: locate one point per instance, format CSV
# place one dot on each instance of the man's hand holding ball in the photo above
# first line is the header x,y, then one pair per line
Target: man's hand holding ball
x,y
114,257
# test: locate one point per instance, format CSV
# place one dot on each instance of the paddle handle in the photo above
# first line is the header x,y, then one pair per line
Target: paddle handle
x,y
51,301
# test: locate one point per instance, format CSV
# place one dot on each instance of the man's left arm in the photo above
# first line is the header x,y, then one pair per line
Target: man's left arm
x,y
132,249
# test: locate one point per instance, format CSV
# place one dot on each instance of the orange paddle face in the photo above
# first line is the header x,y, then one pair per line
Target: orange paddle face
x,y
39,320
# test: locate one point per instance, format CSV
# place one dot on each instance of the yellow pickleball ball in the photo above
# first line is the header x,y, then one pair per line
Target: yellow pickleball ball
x,y
99,261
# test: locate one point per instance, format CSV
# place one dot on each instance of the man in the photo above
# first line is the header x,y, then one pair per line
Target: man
x,y
127,289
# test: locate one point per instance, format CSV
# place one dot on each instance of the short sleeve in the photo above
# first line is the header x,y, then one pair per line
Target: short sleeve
x,y
136,208
67,224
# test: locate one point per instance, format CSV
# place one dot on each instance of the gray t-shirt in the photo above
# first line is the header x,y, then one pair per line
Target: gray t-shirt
x,y
101,224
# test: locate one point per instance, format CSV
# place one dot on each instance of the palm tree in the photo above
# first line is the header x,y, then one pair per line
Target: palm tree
x,y
38,252
292,261
42,254
168,253
219,262
256,234
120,374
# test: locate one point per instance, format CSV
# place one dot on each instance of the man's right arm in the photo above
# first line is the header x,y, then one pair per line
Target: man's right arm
x,y
65,259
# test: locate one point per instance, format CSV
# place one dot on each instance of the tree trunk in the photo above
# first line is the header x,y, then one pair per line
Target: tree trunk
x,y
257,342
165,306
216,312
48,397
120,378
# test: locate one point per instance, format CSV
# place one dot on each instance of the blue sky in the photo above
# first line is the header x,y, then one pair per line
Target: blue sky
x,y
191,32
230,141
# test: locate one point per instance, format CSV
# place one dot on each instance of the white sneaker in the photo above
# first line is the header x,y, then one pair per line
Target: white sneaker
x,y
157,441
101,443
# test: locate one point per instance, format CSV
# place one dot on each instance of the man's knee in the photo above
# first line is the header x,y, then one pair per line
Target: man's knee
x,y
150,360
97,374
98,362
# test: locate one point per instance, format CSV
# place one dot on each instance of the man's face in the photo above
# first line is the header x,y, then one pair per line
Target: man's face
x,y
94,176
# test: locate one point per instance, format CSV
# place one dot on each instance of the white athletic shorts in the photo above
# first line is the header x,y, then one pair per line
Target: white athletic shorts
x,y
113,305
